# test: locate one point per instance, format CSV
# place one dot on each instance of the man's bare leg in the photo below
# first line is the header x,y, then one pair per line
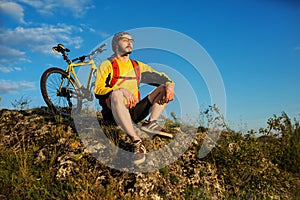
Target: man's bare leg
x,y
158,105
121,114
156,97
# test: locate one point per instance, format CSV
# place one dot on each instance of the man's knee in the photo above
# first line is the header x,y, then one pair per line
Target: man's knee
x,y
161,88
157,95
116,96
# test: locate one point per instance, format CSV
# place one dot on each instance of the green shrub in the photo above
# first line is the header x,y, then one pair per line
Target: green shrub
x,y
291,158
246,169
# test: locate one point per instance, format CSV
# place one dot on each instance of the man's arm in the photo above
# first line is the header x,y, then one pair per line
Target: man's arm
x,y
103,74
153,77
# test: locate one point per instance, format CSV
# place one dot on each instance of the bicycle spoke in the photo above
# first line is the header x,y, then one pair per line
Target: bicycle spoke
x,y
60,93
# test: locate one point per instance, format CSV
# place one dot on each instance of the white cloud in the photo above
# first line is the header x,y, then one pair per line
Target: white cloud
x,y
7,52
77,8
44,7
5,69
8,86
16,44
84,27
14,10
36,39
9,56
104,34
34,3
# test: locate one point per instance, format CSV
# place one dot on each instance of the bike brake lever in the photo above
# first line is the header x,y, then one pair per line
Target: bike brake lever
x,y
103,45
100,50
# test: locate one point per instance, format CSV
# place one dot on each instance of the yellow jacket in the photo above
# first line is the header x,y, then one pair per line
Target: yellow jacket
x,y
126,69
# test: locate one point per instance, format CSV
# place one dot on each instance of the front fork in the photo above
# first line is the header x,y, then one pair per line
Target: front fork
x,y
83,93
64,91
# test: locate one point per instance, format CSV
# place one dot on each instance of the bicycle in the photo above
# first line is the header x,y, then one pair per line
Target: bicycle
x,y
61,89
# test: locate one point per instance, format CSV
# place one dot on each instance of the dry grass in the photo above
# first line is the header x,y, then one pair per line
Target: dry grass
x,y
42,157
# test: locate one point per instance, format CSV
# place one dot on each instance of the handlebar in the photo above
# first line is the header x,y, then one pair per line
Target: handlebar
x,y
81,59
61,49
98,50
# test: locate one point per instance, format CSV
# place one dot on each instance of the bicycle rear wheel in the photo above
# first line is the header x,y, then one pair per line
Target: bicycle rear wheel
x,y
62,95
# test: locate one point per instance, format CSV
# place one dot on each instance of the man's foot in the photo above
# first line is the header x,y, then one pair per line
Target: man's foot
x,y
154,128
139,152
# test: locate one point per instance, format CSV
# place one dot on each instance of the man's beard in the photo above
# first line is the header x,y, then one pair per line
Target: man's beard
x,y
124,52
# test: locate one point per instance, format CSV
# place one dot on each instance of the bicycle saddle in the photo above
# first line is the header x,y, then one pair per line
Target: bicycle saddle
x,y
60,49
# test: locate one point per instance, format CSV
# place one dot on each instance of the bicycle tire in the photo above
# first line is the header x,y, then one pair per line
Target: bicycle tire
x,y
65,101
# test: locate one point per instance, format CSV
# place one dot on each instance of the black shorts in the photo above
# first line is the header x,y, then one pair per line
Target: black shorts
x,y
137,113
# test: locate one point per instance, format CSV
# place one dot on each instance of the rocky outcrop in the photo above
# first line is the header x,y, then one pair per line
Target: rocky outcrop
x,y
81,162
56,139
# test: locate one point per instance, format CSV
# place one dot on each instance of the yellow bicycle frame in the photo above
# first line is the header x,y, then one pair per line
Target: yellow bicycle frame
x,y
70,70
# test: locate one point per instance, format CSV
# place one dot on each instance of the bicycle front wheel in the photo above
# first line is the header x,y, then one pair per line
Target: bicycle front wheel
x,y
61,94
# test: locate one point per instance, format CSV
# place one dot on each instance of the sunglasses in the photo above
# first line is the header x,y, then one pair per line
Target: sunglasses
x,y
125,39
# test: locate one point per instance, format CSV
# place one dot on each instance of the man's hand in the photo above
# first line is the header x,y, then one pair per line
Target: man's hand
x,y
169,96
129,96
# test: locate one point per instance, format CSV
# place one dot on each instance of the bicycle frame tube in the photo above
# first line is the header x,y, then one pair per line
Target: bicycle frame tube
x,y
70,70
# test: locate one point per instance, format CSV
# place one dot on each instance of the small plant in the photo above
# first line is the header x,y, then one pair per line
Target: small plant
x,y
196,193
22,103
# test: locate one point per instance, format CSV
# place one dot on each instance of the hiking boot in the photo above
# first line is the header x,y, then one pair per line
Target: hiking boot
x,y
139,151
154,128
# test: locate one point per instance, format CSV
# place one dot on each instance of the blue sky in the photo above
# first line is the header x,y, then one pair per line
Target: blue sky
x,y
255,45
